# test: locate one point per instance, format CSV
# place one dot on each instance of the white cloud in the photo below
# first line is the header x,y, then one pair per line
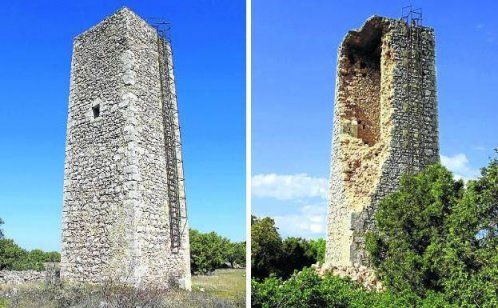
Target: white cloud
x,y
289,187
309,222
459,165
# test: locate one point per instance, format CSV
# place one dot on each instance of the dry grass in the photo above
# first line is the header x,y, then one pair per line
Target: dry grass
x,y
226,288
228,284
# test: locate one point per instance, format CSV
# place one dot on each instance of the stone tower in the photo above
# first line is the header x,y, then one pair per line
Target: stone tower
x,y
385,125
124,213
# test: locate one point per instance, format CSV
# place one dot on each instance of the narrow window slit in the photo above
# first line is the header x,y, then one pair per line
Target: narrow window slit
x,y
96,111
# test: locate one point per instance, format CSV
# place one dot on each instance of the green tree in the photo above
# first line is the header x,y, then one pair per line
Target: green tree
x,y
52,256
12,257
236,254
207,251
1,230
266,247
308,289
411,228
297,253
35,259
435,235
469,262
318,249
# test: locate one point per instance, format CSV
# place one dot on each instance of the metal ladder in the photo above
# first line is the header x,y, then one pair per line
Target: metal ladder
x,y
413,19
172,145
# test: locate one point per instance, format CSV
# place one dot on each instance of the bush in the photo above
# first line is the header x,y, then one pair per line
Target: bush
x,y
272,256
436,236
209,251
297,253
1,230
236,254
266,247
206,251
318,249
307,289
13,257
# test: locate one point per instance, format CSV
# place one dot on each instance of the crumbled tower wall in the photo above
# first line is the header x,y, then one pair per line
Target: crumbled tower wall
x,y
385,125
116,214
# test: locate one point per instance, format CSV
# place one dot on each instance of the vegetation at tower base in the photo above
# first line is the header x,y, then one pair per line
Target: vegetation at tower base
x,y
110,295
272,256
437,235
22,287
308,289
435,245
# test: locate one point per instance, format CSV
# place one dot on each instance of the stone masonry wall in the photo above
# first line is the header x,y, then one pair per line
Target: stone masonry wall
x,y
385,125
21,277
116,222
50,275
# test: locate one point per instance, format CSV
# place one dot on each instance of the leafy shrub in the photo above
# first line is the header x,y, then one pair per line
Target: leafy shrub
x,y
297,253
307,289
1,230
10,254
435,245
209,251
13,257
236,254
266,247
273,256
318,249
436,236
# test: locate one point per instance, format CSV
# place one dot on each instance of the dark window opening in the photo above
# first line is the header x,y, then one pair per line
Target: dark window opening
x,y
96,111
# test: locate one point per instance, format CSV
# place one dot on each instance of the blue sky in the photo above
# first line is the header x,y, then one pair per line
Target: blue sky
x,y
209,47
294,50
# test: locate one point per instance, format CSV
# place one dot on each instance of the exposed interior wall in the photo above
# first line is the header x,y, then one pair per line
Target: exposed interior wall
x,y
385,123
361,77
359,104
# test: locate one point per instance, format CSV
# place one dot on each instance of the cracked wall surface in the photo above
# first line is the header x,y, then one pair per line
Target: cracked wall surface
x,y
116,216
385,124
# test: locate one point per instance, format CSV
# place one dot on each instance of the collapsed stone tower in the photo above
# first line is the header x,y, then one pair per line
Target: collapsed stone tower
x,y
124,212
385,125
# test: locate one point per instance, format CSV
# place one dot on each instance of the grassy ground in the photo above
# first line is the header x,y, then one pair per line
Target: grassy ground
x,y
225,288
228,284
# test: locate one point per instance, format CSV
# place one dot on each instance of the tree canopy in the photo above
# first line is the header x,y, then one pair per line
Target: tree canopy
x,y
13,257
272,256
438,235
209,251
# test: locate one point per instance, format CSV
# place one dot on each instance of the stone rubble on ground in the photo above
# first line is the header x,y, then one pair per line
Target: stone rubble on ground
x,y
357,273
